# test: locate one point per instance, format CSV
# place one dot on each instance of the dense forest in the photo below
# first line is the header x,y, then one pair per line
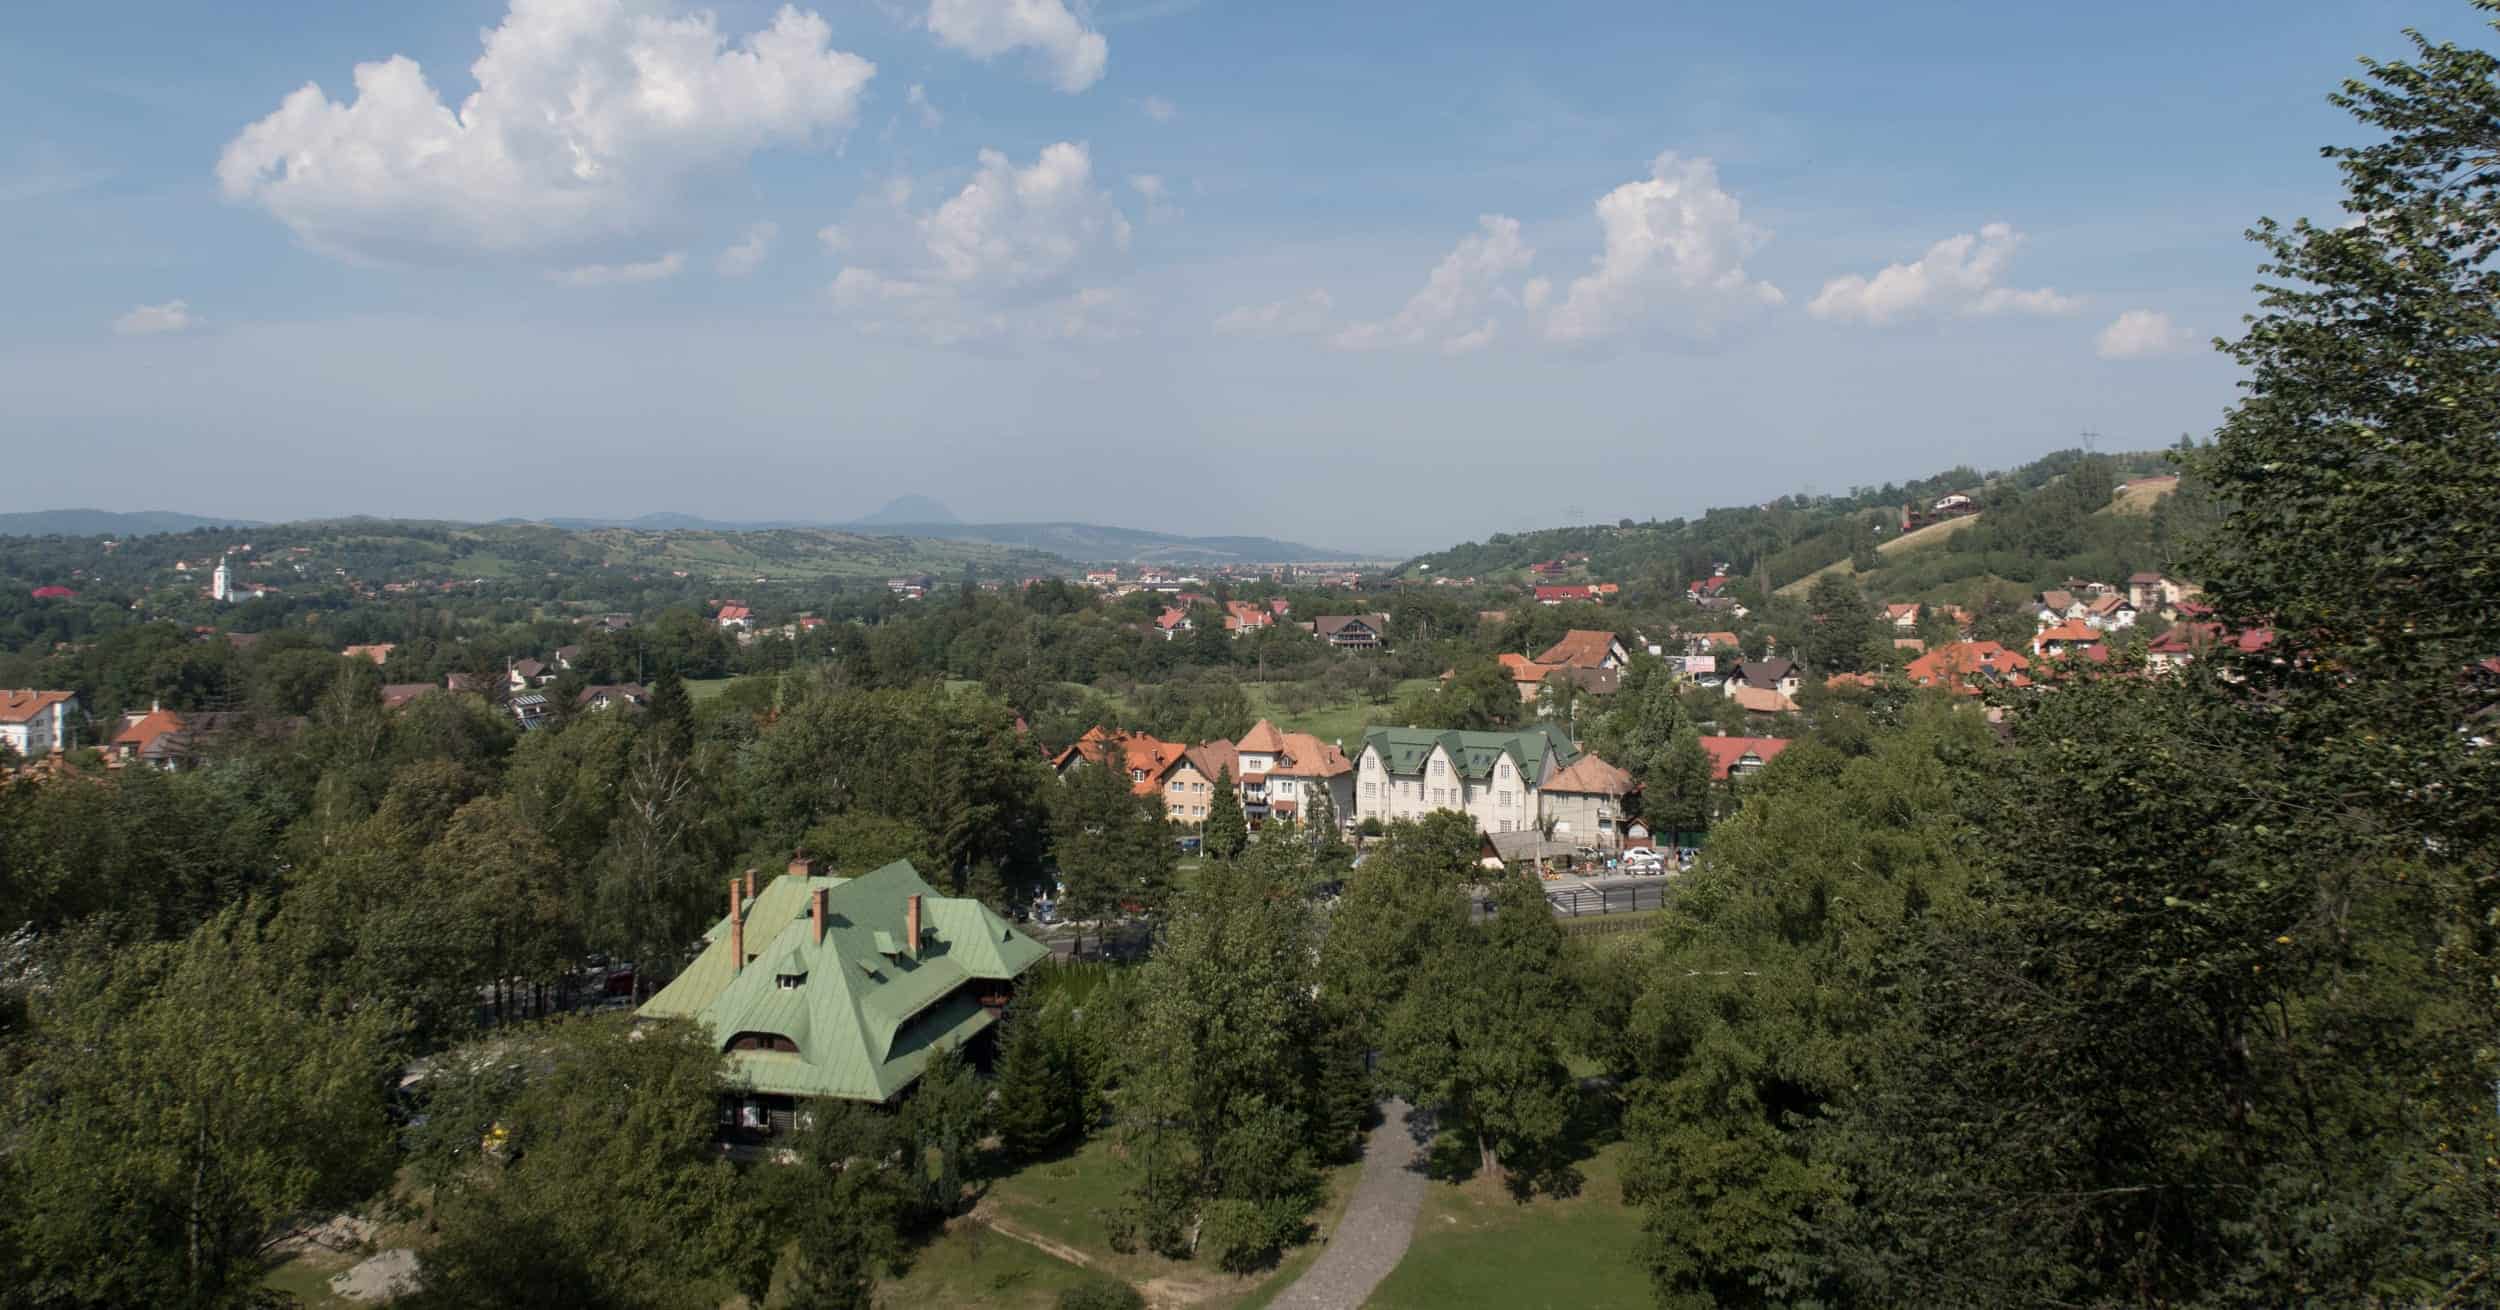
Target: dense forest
x,y
2123,990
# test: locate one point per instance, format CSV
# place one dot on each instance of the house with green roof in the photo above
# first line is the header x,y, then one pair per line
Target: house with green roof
x,y
1494,777
818,986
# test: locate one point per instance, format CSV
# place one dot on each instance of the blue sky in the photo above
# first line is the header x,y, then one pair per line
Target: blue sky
x,y
1375,275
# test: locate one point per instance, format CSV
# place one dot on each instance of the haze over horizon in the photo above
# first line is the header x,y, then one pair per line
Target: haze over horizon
x,y
1374,277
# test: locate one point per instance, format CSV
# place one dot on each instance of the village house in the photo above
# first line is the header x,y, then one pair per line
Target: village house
x,y
1302,772
521,675
1904,617
2063,638
2184,643
1759,700
1172,622
1241,617
1586,648
1149,763
35,723
162,739
1352,631
1771,675
2058,604
734,615
531,709
823,988
1526,675
1584,802
1741,757
379,653
2110,612
1967,668
610,695
2149,592
1493,777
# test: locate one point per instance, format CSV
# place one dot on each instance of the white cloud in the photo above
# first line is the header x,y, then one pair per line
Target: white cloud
x,y
618,275
1534,295
1304,315
1159,109
918,98
985,29
1445,311
748,255
590,119
1957,275
1674,256
1467,343
1015,249
2139,333
148,320
1158,197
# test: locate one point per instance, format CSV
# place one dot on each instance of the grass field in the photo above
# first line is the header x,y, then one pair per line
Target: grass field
x,y
2138,497
1926,536
699,690
1063,1202
1475,1246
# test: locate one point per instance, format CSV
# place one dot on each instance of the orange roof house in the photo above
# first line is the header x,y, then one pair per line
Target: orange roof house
x,y
1584,648
1762,700
379,653
1965,668
1739,756
1145,758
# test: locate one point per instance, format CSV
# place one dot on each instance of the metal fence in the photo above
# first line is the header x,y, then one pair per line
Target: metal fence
x,y
1579,902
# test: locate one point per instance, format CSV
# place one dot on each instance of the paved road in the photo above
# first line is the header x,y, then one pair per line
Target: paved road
x,y
1378,1223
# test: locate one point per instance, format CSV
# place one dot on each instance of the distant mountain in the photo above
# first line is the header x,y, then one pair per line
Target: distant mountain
x,y
909,509
1074,541
108,523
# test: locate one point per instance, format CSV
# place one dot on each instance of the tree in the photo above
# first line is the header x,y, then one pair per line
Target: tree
x,y
1225,831
1113,846
844,1206
593,1181
181,1102
1041,1084
1676,787
672,712
1838,627
1330,856
1218,1118
944,1120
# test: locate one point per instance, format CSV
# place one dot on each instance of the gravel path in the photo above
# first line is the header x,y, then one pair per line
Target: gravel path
x,y
1378,1223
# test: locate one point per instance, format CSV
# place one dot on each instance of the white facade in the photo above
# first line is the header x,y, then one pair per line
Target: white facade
x,y
221,583
1505,802
37,731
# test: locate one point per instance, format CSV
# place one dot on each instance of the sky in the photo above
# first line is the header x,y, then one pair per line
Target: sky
x,y
1380,276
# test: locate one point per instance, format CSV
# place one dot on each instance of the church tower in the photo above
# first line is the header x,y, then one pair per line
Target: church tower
x,y
221,584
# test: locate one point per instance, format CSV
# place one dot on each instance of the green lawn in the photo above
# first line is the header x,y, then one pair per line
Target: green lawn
x,y
1342,722
1064,1201
1474,1246
699,690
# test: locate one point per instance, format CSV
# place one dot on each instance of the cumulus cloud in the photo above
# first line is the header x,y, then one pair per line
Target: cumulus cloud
x,y
590,118
1027,249
1305,315
1449,309
985,29
148,320
748,255
2139,333
1959,274
1159,109
1674,257
617,275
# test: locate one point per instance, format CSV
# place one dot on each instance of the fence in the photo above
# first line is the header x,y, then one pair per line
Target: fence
x,y
1608,900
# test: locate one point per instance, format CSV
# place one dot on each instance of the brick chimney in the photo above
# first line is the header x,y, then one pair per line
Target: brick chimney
x,y
911,926
819,899
803,864
750,884
737,929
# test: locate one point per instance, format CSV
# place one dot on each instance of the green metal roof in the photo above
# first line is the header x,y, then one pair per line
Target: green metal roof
x,y
864,1014
1404,750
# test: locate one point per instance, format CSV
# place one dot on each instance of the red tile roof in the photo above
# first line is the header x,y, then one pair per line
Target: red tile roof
x,y
1726,752
1580,648
1307,756
24,706
1262,739
1957,666
1566,593
1590,775
146,728
54,593
1522,669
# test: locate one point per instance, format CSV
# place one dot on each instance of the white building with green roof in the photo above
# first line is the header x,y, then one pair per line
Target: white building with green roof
x,y
1493,777
817,986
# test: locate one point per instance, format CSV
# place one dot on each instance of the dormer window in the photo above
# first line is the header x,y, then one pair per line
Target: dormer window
x,y
789,982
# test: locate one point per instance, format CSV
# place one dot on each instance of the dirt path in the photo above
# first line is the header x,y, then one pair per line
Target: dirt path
x,y
987,1214
1378,1223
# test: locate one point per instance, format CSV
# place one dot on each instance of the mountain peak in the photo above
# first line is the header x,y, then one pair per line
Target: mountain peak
x,y
911,509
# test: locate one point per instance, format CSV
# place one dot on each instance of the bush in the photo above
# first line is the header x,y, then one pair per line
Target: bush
x,y
1101,1293
1241,1236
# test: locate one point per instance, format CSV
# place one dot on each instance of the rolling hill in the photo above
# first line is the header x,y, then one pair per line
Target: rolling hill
x,y
108,522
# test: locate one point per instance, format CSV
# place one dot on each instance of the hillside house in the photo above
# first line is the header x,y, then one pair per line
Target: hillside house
x,y
2062,638
2185,643
1904,617
1774,675
521,675
611,696
735,616
1567,594
398,695
818,987
1760,700
1968,668
1306,768
379,653
162,739
35,723
1586,648
1493,777
1241,617
1352,631
1741,757
1172,622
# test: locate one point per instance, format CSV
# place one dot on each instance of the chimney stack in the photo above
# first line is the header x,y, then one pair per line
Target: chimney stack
x,y
750,884
911,926
819,898
803,864
737,929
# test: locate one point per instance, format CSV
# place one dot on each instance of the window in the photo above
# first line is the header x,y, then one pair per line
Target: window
x,y
1371,791
1439,767
790,982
